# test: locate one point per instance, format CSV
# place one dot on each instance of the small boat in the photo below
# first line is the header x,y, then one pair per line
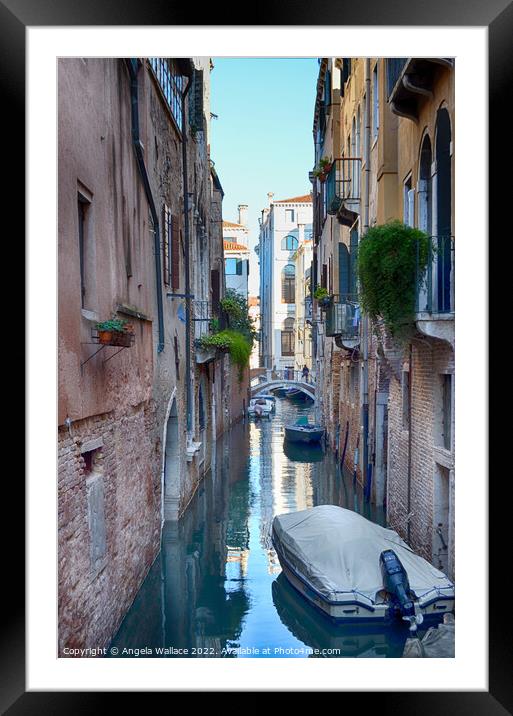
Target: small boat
x,y
355,571
260,407
292,392
270,398
280,392
304,432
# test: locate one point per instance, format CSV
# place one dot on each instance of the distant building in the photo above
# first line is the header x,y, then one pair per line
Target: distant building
x,y
254,313
236,253
303,327
284,226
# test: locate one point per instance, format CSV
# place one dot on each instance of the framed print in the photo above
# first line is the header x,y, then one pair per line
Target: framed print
x,y
180,354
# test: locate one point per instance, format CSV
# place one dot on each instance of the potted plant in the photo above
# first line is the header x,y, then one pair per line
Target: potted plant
x,y
115,332
323,169
322,296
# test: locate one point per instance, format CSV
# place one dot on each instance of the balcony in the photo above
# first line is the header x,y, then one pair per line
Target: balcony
x,y
343,321
435,290
409,79
343,189
202,321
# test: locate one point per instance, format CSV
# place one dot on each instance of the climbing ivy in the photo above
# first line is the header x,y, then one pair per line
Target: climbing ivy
x,y
236,344
392,259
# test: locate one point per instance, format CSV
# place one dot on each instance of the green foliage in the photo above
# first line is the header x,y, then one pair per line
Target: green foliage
x,y
232,341
322,167
320,292
232,306
236,308
113,324
392,259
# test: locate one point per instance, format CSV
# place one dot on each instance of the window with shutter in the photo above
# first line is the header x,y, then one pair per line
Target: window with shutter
x,y
215,284
239,267
353,262
343,271
175,252
166,244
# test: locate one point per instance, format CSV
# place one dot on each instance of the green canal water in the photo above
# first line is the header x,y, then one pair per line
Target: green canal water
x,y
216,588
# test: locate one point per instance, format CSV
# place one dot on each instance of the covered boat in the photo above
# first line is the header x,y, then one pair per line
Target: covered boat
x,y
356,571
260,407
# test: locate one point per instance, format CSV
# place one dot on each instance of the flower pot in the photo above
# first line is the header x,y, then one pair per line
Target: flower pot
x,y
105,337
121,338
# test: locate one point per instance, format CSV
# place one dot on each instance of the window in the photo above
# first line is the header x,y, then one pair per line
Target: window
x,y
287,337
171,83
288,284
375,103
82,210
408,203
289,216
86,249
233,267
446,410
289,243
170,240
405,388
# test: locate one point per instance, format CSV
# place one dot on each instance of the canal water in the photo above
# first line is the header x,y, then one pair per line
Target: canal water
x,y
216,588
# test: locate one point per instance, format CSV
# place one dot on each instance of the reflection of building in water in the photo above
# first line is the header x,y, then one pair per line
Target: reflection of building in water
x,y
285,485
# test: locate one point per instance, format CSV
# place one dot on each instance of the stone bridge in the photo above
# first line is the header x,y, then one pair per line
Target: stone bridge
x,y
270,379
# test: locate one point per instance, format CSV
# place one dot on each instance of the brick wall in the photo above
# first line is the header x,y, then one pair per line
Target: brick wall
x,y
430,359
107,540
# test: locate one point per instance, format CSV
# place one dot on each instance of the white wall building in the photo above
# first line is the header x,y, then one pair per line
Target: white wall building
x,y
284,225
236,253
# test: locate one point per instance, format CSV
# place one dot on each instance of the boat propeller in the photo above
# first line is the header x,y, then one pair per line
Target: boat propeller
x,y
396,584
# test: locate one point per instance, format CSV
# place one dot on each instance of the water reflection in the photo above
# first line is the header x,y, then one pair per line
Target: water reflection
x,y
215,589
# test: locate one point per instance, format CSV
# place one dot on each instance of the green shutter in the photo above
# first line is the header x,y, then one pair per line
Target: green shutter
x,y
343,271
353,263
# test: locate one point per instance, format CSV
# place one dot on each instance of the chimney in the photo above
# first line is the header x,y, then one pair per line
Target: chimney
x,y
243,214
270,195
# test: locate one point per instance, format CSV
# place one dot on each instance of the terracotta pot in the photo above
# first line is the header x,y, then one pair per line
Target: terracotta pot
x,y
105,337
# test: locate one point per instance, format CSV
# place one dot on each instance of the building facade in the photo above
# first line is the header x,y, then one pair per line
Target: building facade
x,y
384,147
284,226
140,239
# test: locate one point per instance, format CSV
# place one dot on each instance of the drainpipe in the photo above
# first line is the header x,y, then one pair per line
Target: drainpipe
x,y
189,396
365,320
133,68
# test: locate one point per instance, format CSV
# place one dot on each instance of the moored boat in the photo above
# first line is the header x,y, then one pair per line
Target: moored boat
x,y
355,571
260,407
304,432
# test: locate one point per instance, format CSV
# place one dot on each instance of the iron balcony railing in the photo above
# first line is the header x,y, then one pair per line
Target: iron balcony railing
x,y
201,317
435,281
343,317
343,183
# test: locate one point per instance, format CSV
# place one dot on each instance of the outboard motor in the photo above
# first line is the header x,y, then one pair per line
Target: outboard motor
x,y
395,582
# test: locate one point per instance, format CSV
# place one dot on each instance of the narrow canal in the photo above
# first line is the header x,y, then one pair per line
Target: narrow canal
x,y
216,588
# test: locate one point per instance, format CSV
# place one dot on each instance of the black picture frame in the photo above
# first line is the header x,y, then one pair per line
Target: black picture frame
x,y
497,15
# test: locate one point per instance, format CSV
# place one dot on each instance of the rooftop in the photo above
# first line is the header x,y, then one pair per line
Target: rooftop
x,y
231,225
234,246
305,199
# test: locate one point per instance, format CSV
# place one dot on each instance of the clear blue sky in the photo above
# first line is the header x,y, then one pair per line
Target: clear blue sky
x,y
262,140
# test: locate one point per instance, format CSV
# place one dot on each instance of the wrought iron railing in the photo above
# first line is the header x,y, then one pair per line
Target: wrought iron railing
x,y
343,317
201,317
343,183
435,281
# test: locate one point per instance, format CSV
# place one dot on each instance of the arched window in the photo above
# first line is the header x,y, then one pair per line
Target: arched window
x,y
289,243
288,284
287,337
425,217
443,210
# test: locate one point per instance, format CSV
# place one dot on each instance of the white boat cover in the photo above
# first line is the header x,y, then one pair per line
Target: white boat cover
x,y
337,550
